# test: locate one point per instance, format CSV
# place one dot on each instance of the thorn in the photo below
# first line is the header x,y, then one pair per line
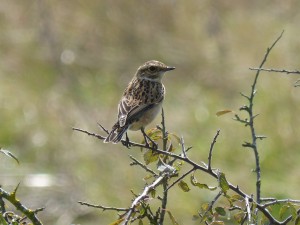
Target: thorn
x,y
13,194
105,130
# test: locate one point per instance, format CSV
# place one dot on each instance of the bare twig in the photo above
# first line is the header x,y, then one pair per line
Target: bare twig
x,y
249,109
89,133
211,149
136,162
181,177
104,207
142,196
183,147
277,70
105,130
248,210
275,201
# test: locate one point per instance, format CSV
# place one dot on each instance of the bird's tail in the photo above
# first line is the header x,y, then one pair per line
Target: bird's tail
x,y
116,134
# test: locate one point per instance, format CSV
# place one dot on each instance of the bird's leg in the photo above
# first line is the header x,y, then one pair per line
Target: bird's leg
x,y
146,137
127,142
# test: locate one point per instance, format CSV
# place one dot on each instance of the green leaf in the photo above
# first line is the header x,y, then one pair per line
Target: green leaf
x,y
9,154
154,134
178,165
153,193
119,221
235,198
205,206
176,137
283,210
288,209
174,222
239,216
221,211
183,186
297,221
223,182
150,156
2,220
141,222
222,112
142,210
149,176
194,182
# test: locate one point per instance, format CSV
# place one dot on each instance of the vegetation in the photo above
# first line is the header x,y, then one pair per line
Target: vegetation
x,y
65,64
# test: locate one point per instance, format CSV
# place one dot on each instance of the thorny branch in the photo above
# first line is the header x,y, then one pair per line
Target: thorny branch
x,y
211,204
136,162
104,207
143,196
165,180
205,169
211,149
277,70
250,121
11,197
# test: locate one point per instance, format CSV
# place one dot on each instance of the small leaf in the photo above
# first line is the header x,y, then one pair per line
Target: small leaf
x,y
293,211
119,221
235,198
141,222
288,209
297,221
222,112
239,217
150,157
153,193
217,223
9,154
283,210
176,137
174,222
223,182
149,176
205,206
195,217
142,210
221,211
183,186
194,182
154,134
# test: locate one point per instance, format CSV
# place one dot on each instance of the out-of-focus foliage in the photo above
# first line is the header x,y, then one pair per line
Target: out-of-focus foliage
x,y
66,63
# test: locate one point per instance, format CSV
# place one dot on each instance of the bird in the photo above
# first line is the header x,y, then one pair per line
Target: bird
x,y
141,101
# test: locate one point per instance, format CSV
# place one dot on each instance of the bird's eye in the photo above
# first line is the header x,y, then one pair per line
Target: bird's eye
x,y
152,68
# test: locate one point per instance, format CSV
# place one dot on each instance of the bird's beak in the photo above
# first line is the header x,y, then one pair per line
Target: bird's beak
x,y
168,68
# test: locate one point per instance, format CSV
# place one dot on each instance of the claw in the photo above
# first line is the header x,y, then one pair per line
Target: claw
x,y
126,143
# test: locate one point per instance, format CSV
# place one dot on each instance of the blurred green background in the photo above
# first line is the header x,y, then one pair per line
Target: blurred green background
x,y
65,64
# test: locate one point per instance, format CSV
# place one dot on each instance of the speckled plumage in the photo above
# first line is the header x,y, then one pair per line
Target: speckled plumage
x,y
141,100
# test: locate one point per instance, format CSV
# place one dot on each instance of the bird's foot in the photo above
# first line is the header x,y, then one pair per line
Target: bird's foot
x,y
127,143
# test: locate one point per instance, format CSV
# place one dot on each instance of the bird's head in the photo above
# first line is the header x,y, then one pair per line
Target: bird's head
x,y
152,70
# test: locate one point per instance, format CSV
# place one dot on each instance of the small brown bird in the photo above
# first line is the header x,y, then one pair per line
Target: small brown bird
x,y
142,100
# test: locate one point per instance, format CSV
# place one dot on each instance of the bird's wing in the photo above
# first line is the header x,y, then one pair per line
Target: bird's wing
x,y
130,110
